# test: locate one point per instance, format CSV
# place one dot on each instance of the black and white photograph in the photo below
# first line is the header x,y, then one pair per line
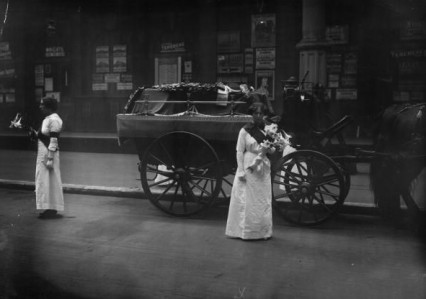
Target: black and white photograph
x,y
212,149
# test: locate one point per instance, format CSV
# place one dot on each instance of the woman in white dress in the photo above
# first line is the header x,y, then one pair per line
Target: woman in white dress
x,y
48,183
250,209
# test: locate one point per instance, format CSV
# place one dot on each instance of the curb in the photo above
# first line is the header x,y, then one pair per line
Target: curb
x,y
346,208
78,189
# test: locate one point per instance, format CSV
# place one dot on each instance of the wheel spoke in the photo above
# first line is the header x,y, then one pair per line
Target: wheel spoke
x,y
296,177
300,169
327,180
167,153
336,197
205,166
204,187
223,193
328,192
226,181
200,188
283,195
155,170
322,203
165,191
203,178
285,184
157,159
172,202
159,182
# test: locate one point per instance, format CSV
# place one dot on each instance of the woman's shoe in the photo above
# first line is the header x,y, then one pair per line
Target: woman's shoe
x,y
48,214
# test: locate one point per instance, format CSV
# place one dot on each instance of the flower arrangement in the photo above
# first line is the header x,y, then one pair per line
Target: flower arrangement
x,y
19,123
278,140
16,123
188,87
275,140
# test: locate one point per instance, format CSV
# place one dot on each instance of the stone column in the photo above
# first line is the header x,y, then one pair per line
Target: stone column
x,y
311,47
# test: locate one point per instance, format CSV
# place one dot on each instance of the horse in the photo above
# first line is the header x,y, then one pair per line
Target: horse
x,y
399,144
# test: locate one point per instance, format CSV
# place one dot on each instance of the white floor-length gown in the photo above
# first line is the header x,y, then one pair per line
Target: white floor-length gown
x,y
250,209
48,183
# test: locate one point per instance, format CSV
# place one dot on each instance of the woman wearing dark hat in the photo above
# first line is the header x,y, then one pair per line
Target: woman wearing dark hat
x,y
250,210
48,183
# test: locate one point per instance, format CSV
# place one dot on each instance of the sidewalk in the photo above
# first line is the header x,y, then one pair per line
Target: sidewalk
x,y
113,174
91,173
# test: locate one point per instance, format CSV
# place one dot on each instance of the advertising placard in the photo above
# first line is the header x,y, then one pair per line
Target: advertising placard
x,y
265,58
263,30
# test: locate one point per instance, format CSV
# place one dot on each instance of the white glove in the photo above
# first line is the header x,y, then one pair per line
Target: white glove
x,y
49,164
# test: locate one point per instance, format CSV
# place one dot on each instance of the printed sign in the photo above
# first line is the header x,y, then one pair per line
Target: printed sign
x,y
265,58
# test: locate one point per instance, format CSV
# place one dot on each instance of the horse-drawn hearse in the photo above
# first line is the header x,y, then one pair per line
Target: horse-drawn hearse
x,y
185,137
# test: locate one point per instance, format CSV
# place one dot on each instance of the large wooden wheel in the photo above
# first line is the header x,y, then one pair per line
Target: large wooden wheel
x,y
308,187
181,173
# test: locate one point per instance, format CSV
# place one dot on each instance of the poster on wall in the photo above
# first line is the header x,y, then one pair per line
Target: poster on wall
x,y
248,60
39,75
410,61
333,80
38,93
350,65
334,63
338,34
7,68
187,66
48,84
265,58
112,78
125,82
168,70
346,94
5,53
263,30
9,98
172,47
412,30
119,58
228,41
102,59
99,86
230,63
54,52
265,82
98,82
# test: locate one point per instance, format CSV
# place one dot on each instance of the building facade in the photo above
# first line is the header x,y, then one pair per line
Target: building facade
x,y
356,57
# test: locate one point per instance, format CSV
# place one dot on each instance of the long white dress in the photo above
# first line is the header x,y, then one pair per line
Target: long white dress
x,y
250,209
48,183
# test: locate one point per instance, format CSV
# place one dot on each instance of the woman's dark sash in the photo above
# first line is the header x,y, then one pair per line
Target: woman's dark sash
x,y
256,133
46,139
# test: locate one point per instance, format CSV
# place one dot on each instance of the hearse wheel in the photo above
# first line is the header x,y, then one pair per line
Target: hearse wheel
x,y
187,173
308,187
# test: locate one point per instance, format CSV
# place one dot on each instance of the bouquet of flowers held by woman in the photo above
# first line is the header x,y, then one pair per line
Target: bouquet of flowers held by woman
x,y
19,123
276,140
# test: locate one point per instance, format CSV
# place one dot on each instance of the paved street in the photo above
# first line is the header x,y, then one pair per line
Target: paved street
x,y
109,247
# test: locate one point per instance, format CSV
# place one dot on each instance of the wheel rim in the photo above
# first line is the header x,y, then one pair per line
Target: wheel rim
x,y
308,187
181,173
